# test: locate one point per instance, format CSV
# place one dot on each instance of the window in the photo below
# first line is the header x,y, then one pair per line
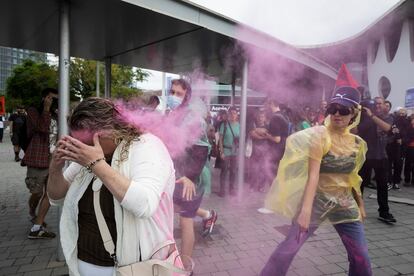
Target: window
x,y
384,87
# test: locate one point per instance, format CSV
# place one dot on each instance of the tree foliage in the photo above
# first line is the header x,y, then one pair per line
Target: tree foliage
x,y
83,79
27,81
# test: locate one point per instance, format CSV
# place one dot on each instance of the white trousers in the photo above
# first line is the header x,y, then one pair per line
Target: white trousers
x,y
87,269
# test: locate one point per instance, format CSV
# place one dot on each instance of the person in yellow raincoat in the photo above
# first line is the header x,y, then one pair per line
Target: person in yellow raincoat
x,y
318,180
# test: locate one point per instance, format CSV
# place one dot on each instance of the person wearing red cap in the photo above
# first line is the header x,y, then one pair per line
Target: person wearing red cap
x,y
318,181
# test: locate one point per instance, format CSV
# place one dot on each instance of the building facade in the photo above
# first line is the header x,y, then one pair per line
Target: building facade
x,y
390,67
10,58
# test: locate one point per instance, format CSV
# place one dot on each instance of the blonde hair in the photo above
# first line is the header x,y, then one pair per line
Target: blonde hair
x,y
97,114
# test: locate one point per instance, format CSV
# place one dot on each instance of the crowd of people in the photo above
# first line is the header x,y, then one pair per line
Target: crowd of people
x,y
123,187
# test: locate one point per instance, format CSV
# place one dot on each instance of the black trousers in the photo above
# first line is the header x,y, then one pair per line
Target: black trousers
x,y
229,166
395,163
409,165
380,167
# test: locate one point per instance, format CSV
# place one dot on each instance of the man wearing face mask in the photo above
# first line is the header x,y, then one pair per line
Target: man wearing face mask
x,y
189,187
42,136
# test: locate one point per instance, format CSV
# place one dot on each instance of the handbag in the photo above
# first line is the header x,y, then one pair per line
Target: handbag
x,y
151,267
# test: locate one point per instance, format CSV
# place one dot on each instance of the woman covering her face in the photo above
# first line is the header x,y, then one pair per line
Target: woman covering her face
x,y
135,176
318,181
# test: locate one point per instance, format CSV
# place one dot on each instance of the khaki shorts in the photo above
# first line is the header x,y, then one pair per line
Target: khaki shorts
x,y
36,179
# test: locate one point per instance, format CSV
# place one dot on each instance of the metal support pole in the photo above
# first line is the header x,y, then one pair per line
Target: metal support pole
x,y
108,76
242,139
233,90
64,63
164,92
98,92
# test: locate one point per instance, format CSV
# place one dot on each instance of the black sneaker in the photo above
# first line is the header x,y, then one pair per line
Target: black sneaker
x,y
396,186
389,186
22,163
208,224
42,233
388,218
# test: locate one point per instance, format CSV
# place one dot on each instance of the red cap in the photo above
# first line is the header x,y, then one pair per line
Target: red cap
x,y
345,78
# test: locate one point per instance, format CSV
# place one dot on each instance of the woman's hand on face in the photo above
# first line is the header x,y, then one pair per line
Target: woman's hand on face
x,y
58,162
188,187
76,151
304,220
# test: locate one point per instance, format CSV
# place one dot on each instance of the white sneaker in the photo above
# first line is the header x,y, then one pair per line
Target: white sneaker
x,y
264,211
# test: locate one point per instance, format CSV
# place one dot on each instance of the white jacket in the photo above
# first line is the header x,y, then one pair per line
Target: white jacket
x,y
144,218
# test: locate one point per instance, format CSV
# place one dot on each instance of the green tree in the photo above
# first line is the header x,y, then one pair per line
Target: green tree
x,y
83,79
27,81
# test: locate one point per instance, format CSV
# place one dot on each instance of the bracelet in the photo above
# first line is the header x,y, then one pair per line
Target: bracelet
x,y
93,163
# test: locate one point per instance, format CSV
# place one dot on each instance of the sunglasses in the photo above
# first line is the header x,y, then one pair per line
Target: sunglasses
x,y
343,111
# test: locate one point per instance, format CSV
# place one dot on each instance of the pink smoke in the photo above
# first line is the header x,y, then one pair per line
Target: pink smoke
x,y
178,130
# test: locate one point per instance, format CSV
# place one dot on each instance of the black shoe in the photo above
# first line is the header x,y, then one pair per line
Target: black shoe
x,y
42,233
388,218
396,186
389,186
17,159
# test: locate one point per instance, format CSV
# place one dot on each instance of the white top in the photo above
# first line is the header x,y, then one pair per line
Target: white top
x,y
144,218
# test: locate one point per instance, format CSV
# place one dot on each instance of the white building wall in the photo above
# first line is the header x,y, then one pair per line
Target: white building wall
x,y
400,71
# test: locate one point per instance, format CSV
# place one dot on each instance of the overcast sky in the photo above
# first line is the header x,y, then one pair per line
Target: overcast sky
x,y
298,22
303,22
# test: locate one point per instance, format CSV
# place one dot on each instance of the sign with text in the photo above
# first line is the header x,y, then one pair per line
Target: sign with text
x,y
409,98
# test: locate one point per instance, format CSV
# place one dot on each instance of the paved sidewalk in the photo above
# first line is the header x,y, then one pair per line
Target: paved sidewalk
x,y
239,245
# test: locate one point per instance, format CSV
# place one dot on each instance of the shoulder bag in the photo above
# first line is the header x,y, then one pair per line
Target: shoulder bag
x,y
151,267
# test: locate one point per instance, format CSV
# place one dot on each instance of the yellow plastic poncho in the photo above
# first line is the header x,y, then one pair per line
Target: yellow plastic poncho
x,y
341,154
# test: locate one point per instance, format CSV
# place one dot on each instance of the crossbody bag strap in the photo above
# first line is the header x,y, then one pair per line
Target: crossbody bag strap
x,y
162,245
103,227
231,129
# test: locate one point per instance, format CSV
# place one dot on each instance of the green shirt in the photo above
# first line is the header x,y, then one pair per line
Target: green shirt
x,y
228,138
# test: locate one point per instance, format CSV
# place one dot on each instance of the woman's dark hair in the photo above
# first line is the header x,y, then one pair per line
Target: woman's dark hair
x,y
48,90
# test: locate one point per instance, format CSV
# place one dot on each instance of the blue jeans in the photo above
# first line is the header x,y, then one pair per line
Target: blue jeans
x,y
352,236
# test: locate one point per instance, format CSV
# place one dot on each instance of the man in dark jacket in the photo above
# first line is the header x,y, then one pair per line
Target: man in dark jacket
x,y
374,128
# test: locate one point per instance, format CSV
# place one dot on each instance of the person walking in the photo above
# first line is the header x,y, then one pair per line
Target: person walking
x,y
42,135
317,181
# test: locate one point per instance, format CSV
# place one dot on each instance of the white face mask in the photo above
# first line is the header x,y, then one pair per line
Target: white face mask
x,y
173,102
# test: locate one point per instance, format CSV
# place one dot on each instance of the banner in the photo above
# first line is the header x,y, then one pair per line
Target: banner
x,y
2,106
